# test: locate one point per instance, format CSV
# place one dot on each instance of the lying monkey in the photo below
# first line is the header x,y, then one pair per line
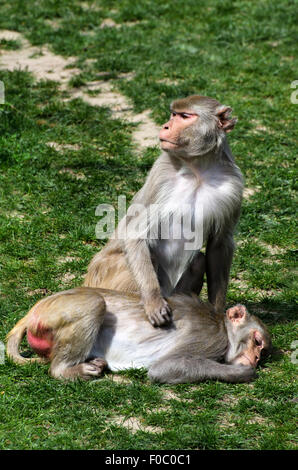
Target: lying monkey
x,y
83,330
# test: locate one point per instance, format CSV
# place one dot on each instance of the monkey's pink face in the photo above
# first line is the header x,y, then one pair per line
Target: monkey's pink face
x,y
170,133
251,355
253,340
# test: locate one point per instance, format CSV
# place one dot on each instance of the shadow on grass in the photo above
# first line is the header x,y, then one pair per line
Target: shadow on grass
x,y
273,312
276,355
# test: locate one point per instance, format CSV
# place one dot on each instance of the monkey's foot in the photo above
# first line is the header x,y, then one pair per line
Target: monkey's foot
x,y
159,315
99,363
84,370
94,368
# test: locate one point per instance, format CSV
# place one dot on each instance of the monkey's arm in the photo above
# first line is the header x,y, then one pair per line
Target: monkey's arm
x,y
182,369
139,261
219,255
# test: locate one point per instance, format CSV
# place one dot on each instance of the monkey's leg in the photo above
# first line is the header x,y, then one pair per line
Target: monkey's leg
x,y
219,255
64,327
108,270
183,369
84,312
139,261
193,278
83,370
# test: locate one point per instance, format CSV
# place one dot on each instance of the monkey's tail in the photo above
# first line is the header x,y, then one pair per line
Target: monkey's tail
x,y
14,339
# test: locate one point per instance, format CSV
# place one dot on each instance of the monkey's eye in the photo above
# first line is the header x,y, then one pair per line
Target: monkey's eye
x,y
258,338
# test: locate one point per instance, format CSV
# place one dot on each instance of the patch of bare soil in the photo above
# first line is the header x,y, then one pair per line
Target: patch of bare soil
x,y
46,65
133,424
75,174
145,135
39,60
61,147
67,259
42,291
248,192
110,23
67,277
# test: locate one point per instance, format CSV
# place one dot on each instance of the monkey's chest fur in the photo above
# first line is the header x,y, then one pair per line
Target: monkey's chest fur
x,y
185,217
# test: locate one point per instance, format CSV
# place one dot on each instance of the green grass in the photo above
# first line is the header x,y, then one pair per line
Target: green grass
x,y
243,54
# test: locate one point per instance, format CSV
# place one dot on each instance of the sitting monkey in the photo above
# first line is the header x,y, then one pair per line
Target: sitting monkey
x,y
196,169
83,330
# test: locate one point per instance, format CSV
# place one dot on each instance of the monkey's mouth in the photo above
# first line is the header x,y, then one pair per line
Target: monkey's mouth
x,y
168,141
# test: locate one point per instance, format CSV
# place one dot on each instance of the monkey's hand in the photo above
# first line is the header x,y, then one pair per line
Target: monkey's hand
x,y
158,311
239,373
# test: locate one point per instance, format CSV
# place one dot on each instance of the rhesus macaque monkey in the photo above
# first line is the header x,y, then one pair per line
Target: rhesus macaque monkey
x,y
195,170
84,330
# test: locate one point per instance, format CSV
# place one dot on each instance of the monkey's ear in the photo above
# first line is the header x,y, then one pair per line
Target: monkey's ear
x,y
237,314
224,121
